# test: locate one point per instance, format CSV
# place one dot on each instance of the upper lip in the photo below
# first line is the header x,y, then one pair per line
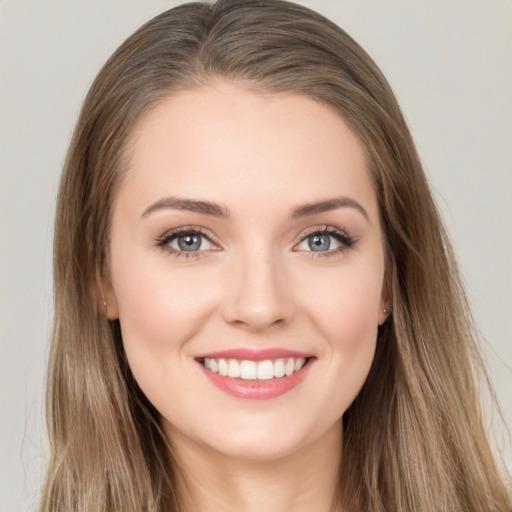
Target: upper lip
x,y
253,354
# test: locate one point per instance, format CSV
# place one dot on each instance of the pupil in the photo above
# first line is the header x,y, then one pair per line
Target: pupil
x,y
189,242
319,242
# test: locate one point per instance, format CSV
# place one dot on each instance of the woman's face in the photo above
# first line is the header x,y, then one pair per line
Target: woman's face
x,y
247,269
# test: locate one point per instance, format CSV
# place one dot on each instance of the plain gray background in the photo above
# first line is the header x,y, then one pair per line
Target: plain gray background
x,y
450,64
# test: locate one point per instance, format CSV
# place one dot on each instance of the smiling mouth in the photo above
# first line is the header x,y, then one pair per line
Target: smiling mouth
x,y
256,374
246,369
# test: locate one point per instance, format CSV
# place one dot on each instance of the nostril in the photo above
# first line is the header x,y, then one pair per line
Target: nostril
x,y
258,324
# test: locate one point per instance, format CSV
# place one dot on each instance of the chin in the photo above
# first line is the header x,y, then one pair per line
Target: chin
x,y
266,440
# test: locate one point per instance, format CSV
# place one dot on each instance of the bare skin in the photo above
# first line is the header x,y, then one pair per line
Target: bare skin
x,y
303,482
248,222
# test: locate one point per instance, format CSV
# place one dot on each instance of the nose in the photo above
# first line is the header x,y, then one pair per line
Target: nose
x,y
258,296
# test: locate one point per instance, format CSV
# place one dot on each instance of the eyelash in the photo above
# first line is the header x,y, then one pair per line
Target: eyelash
x,y
164,241
346,241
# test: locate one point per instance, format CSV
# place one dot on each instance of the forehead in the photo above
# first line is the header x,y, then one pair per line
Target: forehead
x,y
226,143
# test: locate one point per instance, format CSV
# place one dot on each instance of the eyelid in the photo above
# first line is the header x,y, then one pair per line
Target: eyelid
x,y
163,240
345,240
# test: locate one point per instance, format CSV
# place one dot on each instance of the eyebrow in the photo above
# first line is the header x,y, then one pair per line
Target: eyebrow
x,y
217,210
326,206
191,205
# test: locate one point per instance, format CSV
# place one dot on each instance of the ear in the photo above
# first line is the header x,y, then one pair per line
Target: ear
x,y
108,297
385,303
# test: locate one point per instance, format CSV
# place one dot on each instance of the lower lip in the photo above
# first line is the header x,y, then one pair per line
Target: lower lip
x,y
258,389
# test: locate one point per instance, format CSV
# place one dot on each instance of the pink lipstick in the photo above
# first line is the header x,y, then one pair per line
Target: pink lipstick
x,y
255,374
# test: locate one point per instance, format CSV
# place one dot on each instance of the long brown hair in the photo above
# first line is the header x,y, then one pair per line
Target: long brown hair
x,y
414,437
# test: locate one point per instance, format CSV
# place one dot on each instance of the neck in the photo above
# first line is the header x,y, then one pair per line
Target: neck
x,y
304,481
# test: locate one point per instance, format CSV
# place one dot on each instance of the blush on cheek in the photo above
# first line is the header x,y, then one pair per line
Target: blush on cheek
x,y
349,310
163,305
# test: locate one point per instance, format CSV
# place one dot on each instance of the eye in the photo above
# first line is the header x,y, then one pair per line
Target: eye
x,y
185,242
319,242
190,242
325,241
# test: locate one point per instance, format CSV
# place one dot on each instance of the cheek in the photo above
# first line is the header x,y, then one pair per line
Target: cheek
x,y
346,306
346,313
159,310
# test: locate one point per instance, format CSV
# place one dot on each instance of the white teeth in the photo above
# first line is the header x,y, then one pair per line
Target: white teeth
x,y
252,370
248,370
299,363
233,369
279,368
265,370
223,367
289,367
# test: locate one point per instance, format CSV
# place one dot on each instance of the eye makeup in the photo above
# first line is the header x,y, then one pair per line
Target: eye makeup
x,y
191,241
195,241
319,241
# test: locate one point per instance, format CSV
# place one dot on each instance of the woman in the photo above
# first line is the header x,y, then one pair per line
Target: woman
x,y
256,304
